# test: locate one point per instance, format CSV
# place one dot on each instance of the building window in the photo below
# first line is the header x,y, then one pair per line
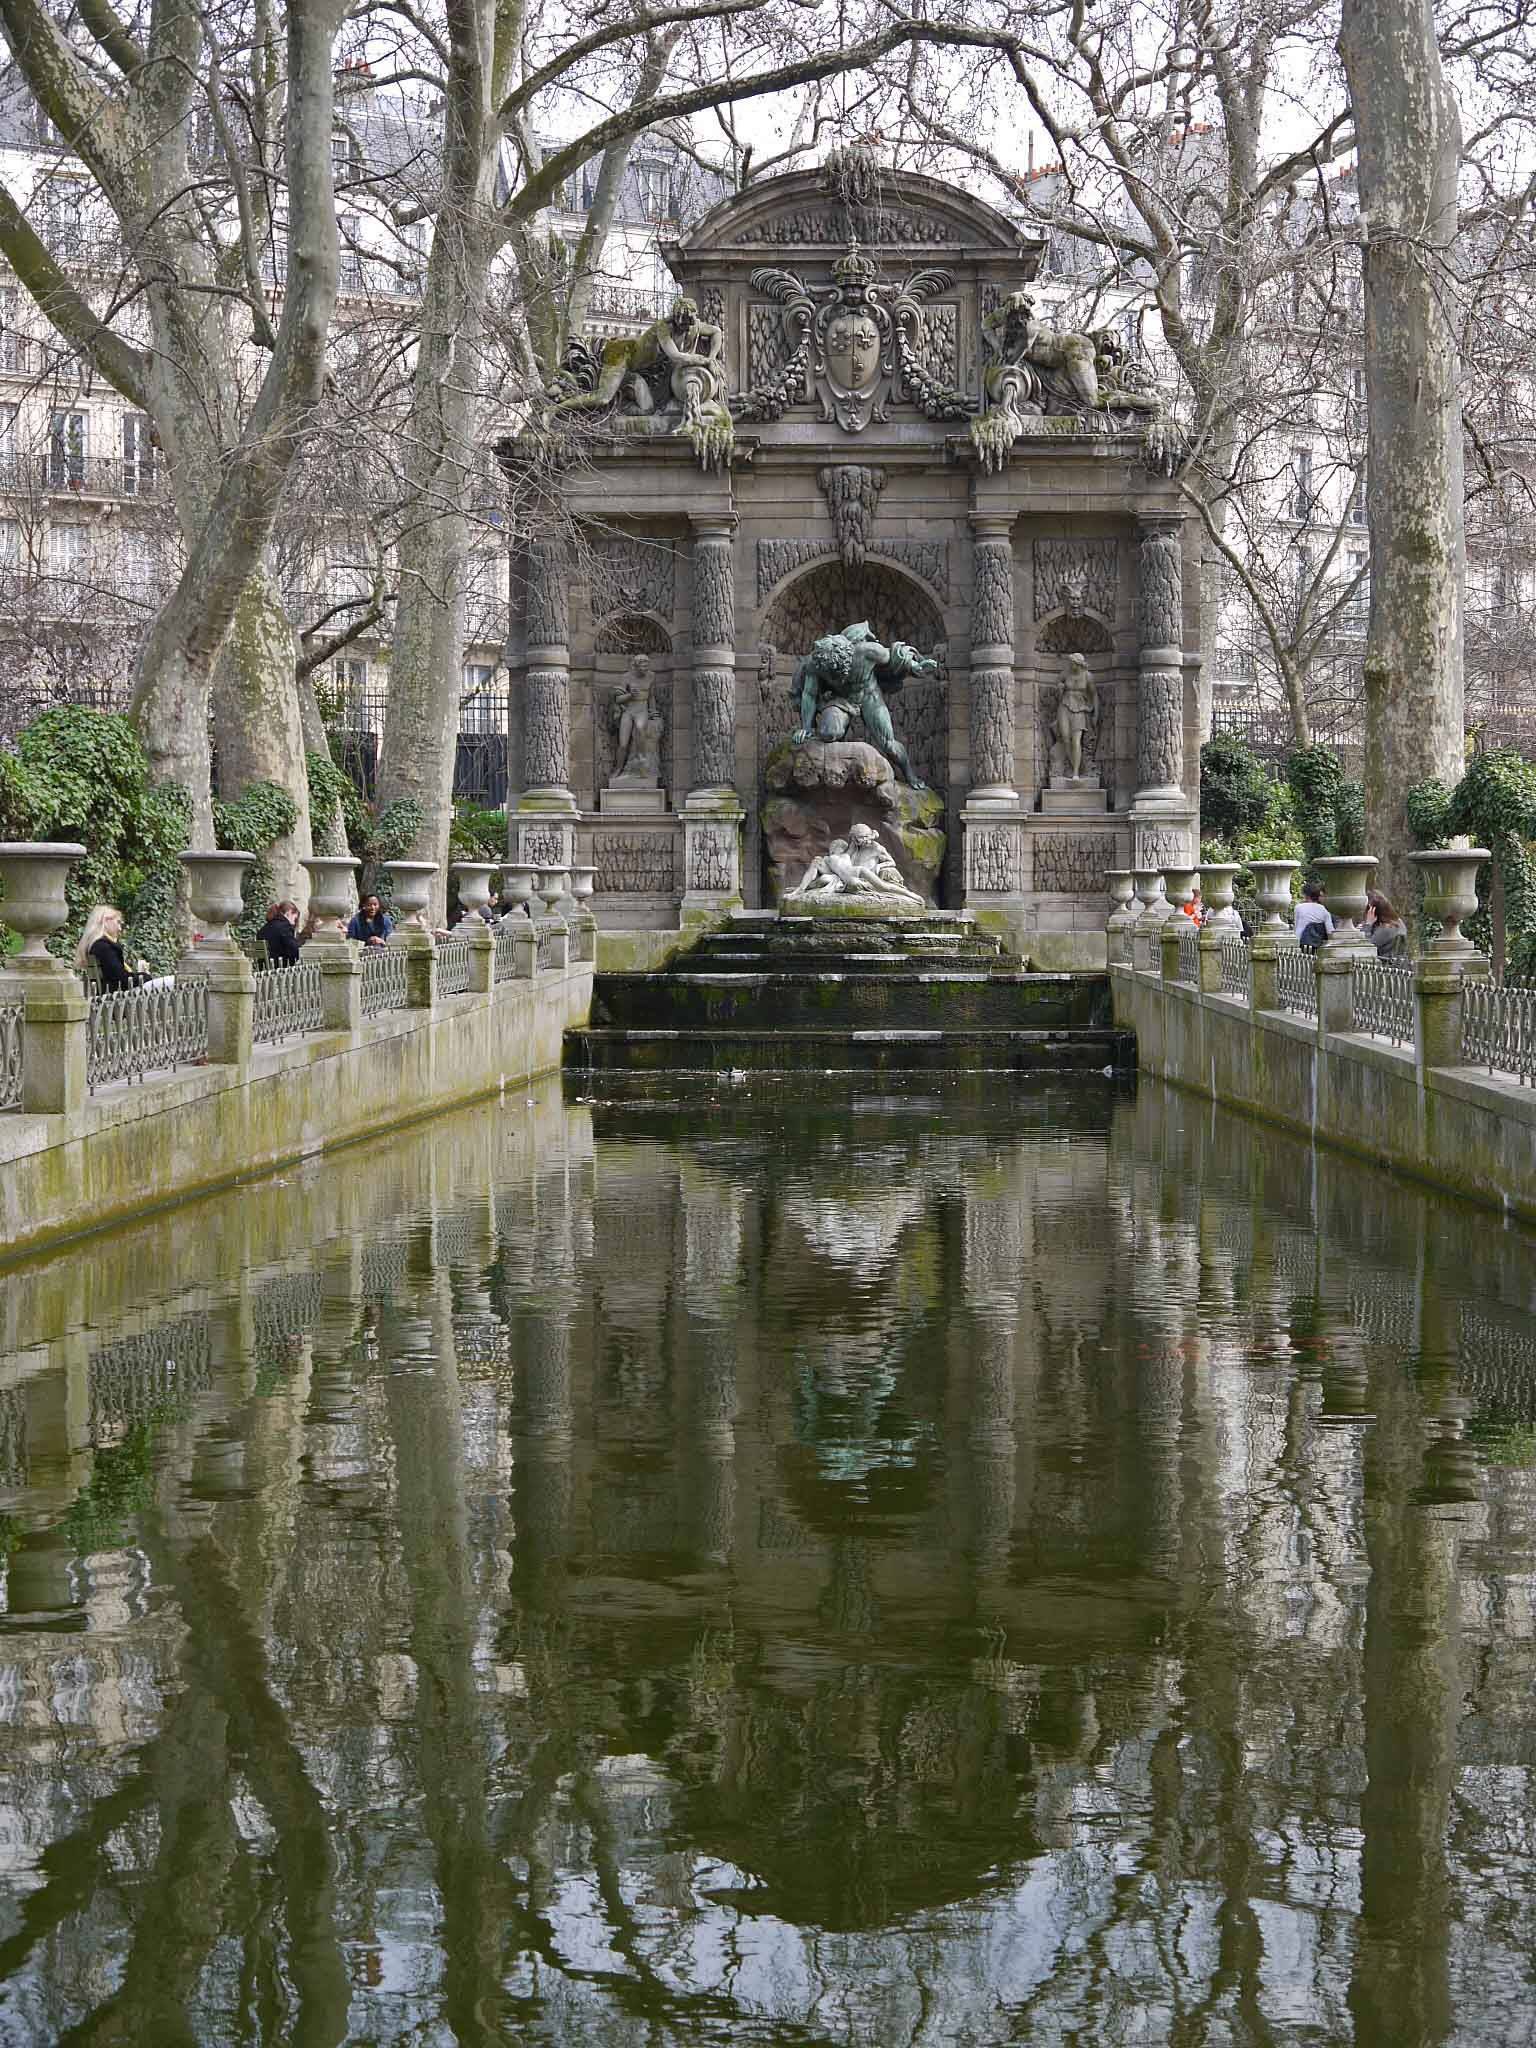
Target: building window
x,y
69,551
140,569
15,354
138,455
10,545
67,436
351,278
346,157
1357,500
656,191
481,707
1301,469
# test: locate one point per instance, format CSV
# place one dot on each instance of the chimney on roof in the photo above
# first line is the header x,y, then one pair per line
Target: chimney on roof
x,y
1031,149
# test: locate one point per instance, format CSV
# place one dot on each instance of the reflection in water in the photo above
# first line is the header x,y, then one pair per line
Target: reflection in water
x,y
958,1569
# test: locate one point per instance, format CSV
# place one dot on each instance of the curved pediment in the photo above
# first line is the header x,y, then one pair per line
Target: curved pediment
x,y
800,211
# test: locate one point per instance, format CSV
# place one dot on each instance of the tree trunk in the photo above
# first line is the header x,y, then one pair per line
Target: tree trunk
x,y
1409,136
327,830
256,723
1294,682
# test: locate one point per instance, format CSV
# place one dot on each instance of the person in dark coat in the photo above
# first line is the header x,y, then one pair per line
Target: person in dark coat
x,y
101,948
280,934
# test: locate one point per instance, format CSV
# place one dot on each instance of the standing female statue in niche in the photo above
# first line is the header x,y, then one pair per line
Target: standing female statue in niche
x,y
1077,712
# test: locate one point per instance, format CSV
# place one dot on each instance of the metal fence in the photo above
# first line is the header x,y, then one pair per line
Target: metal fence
x,y
143,1031
1382,1000
1498,1029
1236,975
453,963
1189,955
289,1002
506,958
1296,980
10,1055
384,983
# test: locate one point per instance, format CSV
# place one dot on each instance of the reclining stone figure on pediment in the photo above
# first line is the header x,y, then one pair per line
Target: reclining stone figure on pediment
x,y
676,365
1038,372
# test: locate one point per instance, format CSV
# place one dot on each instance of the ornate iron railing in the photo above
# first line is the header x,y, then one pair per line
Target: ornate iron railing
x,y
505,957
384,983
143,1031
1189,955
1236,967
1382,1000
1296,980
453,962
1498,1029
10,1055
289,1002
551,934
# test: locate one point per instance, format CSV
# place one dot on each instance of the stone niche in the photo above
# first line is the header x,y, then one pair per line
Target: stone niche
x,y
893,456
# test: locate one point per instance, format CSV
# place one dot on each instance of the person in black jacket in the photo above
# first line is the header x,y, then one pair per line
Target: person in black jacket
x,y
101,947
281,936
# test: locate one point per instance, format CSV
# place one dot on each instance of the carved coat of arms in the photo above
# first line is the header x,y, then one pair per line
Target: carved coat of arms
x,y
853,343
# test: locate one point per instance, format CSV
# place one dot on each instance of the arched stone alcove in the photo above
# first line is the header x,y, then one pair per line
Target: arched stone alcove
x,y
828,597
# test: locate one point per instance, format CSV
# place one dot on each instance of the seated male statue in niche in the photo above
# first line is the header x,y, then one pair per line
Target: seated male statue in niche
x,y
848,675
1077,715
639,739
679,360
856,866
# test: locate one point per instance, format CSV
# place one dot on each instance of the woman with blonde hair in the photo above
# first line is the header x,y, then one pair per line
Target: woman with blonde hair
x,y
101,947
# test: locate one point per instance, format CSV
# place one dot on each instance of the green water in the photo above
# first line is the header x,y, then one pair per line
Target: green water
x,y
776,1565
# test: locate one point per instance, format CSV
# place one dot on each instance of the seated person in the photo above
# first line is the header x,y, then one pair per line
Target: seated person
x,y
372,923
1313,922
101,947
1384,928
281,935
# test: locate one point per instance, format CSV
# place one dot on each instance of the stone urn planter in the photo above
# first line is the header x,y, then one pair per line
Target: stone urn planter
x,y
332,895
1274,892
1179,884
1121,886
551,889
1346,877
473,880
583,886
1450,895
1149,894
33,873
214,881
517,884
410,887
1216,888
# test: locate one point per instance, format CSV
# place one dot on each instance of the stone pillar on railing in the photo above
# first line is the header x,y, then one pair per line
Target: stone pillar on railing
x,y
217,959
472,879
1449,961
410,887
332,900
1145,957
525,951
583,921
544,822
1345,877
1211,937
1178,886
55,1012
1123,913
712,813
1263,994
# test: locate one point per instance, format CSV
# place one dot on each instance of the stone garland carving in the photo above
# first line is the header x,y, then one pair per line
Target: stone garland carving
x,y
821,226
928,559
992,727
942,325
714,728
1160,588
714,592
1160,729
1073,863
547,728
630,573
992,599
1160,847
712,305
545,597
992,859
634,863
1075,576
711,859
852,491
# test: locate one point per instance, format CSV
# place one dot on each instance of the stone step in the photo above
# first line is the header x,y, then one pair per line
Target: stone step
x,y
939,1000
726,1052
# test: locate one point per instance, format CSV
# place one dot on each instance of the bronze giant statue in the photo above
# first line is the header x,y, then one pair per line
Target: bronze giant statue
x,y
849,675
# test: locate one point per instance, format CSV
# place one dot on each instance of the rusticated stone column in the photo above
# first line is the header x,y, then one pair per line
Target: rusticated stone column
x,y
992,662
1160,695
540,832
712,815
714,655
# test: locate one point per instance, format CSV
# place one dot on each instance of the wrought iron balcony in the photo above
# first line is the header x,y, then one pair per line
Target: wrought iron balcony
x,y
62,473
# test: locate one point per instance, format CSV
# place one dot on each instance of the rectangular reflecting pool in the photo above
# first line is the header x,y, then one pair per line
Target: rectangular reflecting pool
x,y
784,1563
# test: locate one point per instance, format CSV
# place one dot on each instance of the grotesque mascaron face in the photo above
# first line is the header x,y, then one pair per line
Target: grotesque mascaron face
x,y
853,351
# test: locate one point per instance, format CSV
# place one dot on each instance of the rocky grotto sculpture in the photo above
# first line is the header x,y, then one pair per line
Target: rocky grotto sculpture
x,y
848,675
856,867
677,364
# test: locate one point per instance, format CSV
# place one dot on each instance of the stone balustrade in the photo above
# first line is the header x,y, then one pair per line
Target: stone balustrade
x,y
1426,1065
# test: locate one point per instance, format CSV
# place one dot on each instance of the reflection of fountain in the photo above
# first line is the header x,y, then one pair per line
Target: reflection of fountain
x,y
860,1230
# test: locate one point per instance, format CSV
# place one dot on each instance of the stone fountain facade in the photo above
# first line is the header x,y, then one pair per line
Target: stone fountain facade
x,y
880,460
